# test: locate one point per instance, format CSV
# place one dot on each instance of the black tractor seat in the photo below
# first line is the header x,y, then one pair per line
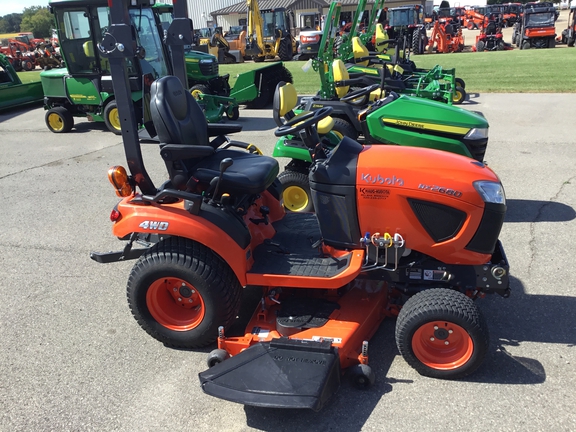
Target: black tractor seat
x,y
189,155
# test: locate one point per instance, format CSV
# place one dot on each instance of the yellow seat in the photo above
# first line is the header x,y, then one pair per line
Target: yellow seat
x,y
285,100
340,74
360,51
381,37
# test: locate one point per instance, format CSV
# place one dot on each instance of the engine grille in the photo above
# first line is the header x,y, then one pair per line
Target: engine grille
x,y
209,69
440,222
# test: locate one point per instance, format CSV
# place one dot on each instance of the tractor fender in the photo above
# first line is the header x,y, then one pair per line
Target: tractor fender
x,y
224,234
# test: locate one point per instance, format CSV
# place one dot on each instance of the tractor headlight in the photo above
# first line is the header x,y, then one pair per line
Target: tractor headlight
x,y
477,133
207,61
491,192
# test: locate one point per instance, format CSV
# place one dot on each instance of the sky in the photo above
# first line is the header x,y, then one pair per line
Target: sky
x,y
17,6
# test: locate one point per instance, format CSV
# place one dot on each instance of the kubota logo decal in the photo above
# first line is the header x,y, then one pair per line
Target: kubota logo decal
x,y
390,181
154,225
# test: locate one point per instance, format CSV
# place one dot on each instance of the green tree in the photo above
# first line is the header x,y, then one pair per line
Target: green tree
x,y
10,23
38,20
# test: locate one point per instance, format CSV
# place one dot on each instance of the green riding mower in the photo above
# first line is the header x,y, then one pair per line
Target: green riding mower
x,y
395,119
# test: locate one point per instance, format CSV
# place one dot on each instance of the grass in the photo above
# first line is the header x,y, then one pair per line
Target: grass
x,y
31,76
516,71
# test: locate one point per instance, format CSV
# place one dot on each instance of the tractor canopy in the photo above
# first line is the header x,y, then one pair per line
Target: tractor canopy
x,y
539,19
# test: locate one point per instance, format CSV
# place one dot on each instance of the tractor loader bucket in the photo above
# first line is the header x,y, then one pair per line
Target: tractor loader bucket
x,y
256,88
282,373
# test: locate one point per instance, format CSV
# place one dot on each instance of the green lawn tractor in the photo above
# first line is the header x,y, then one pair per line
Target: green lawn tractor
x,y
395,119
83,88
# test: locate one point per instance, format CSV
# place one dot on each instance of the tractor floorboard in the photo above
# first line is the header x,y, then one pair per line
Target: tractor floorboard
x,y
290,251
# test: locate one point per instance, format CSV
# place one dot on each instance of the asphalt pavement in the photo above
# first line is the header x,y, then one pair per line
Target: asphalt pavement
x,y
72,357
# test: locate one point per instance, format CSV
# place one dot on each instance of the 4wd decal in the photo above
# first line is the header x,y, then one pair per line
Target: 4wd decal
x,y
390,181
154,225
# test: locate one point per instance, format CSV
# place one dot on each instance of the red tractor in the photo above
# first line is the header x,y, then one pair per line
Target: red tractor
x,y
490,37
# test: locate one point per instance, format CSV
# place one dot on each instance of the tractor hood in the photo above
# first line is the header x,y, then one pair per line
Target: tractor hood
x,y
429,115
193,55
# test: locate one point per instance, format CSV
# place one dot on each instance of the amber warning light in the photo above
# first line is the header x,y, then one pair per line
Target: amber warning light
x,y
119,179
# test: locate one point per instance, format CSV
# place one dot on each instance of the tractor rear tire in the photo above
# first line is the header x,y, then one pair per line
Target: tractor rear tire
x,y
480,45
296,191
551,43
112,119
258,59
343,128
571,41
416,42
500,46
59,120
459,96
180,292
199,88
442,334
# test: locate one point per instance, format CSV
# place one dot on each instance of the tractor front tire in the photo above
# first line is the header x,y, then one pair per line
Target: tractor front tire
x,y
59,120
112,119
480,45
180,292
442,334
460,82
27,65
198,89
525,45
459,95
296,191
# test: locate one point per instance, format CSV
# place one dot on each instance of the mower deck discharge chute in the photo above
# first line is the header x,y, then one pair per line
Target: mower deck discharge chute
x,y
398,231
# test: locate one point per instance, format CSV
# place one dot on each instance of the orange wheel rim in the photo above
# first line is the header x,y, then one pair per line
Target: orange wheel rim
x,y
175,304
442,345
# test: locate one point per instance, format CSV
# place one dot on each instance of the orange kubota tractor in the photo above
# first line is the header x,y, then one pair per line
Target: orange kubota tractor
x,y
446,34
399,231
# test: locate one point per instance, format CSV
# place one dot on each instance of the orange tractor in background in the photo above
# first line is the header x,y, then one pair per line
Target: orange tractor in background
x,y
474,17
446,34
490,37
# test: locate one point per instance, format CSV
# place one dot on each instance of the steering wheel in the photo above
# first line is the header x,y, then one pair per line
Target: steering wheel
x,y
303,121
363,92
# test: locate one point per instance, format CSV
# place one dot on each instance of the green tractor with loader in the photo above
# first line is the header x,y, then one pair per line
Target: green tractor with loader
x,y
83,88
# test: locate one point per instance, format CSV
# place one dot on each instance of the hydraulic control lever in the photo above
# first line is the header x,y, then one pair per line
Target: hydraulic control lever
x,y
224,165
